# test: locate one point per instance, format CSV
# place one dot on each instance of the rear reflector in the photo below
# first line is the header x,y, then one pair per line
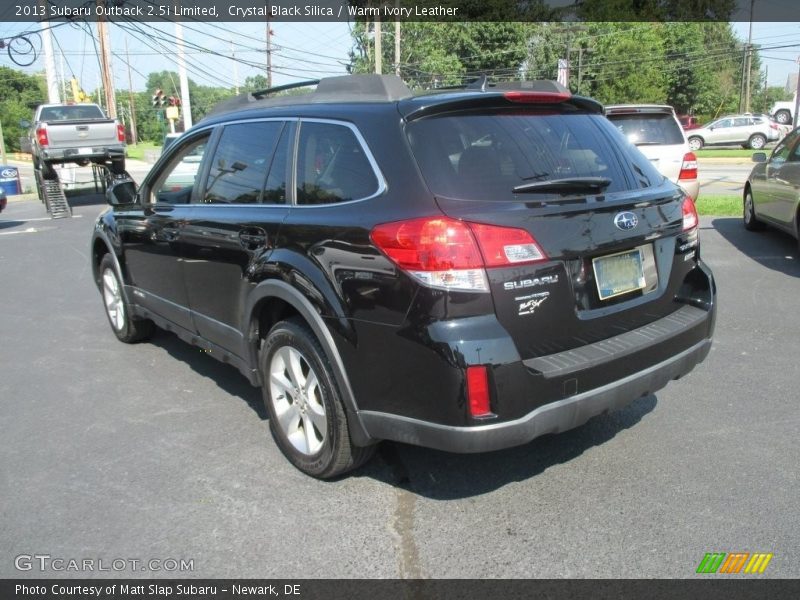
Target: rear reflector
x,y
689,167
478,391
537,97
451,254
690,218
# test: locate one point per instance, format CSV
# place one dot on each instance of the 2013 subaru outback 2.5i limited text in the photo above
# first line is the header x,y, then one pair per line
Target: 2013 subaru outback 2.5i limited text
x,y
465,270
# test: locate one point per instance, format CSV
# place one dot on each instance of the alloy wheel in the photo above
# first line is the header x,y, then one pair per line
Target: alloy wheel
x,y
296,396
112,295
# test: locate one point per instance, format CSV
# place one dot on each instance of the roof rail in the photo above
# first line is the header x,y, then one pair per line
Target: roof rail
x,y
280,88
483,84
347,88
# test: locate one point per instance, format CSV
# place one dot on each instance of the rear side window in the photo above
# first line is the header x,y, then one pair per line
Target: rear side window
x,y
241,163
332,165
646,129
485,156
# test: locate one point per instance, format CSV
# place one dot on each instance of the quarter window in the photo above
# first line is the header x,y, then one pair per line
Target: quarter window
x,y
242,162
332,166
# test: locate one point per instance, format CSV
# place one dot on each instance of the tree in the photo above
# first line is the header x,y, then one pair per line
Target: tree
x,y
627,64
21,94
438,54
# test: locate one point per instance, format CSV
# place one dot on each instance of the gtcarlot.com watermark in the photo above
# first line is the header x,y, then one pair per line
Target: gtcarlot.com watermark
x,y
47,563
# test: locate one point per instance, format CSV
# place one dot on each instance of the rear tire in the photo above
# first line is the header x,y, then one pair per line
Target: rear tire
x,y
757,141
306,413
784,117
127,328
695,143
751,223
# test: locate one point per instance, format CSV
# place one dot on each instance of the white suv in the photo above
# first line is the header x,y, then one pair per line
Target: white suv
x,y
658,134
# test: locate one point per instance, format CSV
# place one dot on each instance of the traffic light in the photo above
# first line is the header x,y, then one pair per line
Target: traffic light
x,y
158,99
174,101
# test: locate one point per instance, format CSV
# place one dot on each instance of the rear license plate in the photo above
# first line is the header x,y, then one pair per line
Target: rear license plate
x,y
84,150
619,274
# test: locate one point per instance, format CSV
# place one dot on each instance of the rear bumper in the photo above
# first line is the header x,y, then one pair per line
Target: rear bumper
x,y
553,417
75,154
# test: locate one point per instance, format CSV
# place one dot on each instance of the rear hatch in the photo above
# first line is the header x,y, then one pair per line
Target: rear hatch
x,y
615,244
657,134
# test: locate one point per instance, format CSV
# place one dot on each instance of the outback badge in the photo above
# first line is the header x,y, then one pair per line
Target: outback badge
x,y
626,220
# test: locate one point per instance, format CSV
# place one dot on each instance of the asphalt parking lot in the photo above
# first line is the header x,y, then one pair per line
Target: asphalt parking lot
x,y
157,451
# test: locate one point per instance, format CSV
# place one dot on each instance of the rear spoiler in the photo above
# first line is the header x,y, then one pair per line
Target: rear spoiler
x,y
498,97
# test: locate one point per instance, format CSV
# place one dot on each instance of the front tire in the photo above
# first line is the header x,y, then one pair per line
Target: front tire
x,y
127,328
751,223
306,414
695,143
757,141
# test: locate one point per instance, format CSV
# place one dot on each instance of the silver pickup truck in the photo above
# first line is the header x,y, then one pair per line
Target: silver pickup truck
x,y
75,133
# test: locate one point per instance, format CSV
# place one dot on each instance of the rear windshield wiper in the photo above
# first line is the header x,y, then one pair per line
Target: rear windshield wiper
x,y
564,186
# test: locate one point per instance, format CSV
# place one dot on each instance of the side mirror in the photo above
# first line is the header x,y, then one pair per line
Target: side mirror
x,y
121,190
24,123
759,157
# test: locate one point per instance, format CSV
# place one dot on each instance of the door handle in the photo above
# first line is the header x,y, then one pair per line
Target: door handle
x,y
253,238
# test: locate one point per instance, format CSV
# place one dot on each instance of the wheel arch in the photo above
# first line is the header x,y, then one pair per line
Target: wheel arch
x,y
274,300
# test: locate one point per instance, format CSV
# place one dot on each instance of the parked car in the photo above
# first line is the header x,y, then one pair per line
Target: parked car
x,y
749,131
3,199
655,130
688,122
464,269
772,191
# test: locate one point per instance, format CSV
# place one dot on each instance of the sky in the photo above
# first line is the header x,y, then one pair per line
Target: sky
x,y
301,51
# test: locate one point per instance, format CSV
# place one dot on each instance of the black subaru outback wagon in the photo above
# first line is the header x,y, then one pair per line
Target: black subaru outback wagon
x,y
464,269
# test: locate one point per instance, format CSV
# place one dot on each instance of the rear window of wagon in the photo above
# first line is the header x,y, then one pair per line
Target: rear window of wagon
x,y
483,156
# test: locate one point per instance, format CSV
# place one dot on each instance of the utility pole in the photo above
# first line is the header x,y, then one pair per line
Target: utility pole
x,y
2,146
186,105
378,47
53,96
105,62
749,60
131,104
269,55
235,70
62,82
796,96
397,41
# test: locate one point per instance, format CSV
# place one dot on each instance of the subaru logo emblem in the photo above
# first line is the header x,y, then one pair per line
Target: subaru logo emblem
x,y
626,221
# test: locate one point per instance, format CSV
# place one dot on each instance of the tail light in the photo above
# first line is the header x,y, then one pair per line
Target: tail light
x,y
120,132
446,253
478,391
689,167
690,218
41,136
